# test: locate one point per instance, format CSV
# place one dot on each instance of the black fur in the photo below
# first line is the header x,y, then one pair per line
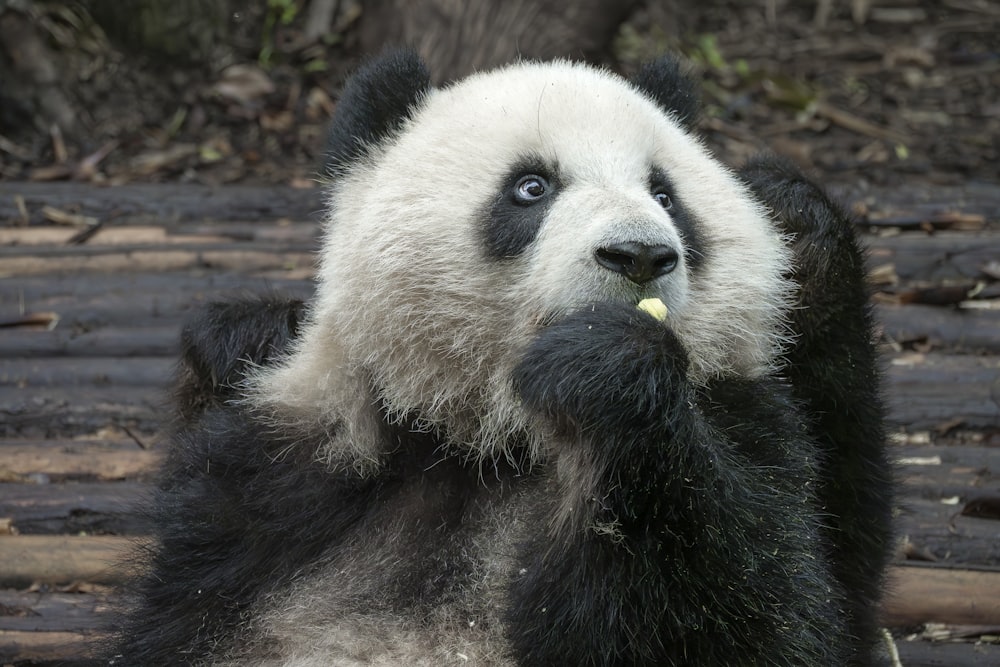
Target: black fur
x,y
686,476
223,341
664,80
375,103
833,369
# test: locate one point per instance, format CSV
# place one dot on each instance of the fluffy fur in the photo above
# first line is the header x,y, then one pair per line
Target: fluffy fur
x,y
474,449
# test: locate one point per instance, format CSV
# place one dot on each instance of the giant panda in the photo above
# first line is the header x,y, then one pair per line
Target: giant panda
x,y
472,448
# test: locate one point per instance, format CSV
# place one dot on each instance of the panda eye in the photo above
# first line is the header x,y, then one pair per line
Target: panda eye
x,y
530,188
664,200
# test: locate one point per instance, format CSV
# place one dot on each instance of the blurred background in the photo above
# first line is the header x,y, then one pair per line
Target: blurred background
x,y
220,91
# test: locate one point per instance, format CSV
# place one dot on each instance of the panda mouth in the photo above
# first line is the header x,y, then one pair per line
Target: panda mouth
x,y
544,319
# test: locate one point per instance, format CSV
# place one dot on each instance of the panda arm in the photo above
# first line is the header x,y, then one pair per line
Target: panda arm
x,y
694,511
225,339
833,369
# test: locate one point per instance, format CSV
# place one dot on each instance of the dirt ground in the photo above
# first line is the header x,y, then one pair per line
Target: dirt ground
x,y
880,91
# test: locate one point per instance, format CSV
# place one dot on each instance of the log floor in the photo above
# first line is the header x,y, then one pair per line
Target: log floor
x,y
94,284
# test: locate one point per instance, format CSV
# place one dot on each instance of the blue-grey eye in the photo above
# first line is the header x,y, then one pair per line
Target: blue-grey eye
x,y
530,188
664,200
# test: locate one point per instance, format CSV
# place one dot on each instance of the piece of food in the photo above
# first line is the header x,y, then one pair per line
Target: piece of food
x,y
654,307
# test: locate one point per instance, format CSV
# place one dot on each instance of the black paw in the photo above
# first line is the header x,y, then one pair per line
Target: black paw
x,y
224,340
601,365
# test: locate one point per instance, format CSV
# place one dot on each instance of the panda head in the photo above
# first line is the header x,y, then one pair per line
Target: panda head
x,y
463,219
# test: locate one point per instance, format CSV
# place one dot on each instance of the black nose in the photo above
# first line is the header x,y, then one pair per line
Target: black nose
x,y
638,262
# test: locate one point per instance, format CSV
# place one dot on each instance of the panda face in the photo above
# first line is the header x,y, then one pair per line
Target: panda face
x,y
506,201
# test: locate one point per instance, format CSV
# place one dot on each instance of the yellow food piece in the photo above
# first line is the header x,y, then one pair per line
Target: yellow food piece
x,y
654,307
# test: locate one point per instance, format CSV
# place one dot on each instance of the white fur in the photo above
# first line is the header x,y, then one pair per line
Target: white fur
x,y
411,312
332,618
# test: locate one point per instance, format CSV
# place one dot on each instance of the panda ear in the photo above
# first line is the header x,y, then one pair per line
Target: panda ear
x,y
376,101
676,93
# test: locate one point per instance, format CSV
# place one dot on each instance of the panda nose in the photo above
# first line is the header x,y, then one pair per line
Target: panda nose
x,y
638,262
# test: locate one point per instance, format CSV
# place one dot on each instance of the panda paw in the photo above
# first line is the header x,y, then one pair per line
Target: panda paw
x,y
603,367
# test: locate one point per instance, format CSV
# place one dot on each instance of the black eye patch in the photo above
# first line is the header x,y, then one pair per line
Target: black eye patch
x,y
662,189
513,219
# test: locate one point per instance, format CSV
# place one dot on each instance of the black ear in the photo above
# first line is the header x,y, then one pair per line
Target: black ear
x,y
375,102
664,81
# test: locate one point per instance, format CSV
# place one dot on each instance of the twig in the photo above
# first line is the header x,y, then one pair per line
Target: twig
x,y
58,145
8,146
853,123
890,647
48,320
61,217
22,210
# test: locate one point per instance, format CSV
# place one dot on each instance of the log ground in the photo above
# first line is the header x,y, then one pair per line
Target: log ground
x,y
88,335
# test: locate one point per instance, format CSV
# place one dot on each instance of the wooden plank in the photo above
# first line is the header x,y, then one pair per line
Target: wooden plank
x,y
106,341
70,412
946,471
86,371
940,257
79,460
966,331
915,653
918,595
163,201
40,648
60,287
938,530
924,392
167,232
61,559
155,259
909,204
47,611
935,483
135,300
43,626
197,244
78,507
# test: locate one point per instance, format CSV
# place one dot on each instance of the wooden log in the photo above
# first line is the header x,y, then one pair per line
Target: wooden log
x,y
46,611
937,530
919,595
167,233
69,412
156,259
108,341
913,204
82,507
61,287
77,460
934,531
65,649
967,331
86,371
945,256
928,391
163,201
916,653
198,244
936,481
944,471
43,626
135,300
60,559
